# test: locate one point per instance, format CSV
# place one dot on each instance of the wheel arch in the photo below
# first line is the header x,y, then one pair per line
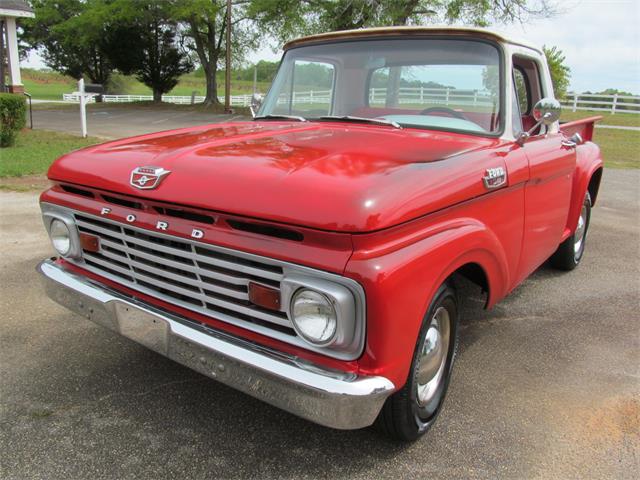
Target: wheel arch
x,y
594,184
587,177
474,273
404,278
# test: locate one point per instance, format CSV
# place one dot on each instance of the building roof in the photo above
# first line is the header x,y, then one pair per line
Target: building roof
x,y
15,8
408,31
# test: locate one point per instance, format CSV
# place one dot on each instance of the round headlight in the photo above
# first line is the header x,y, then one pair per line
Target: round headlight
x,y
314,316
60,236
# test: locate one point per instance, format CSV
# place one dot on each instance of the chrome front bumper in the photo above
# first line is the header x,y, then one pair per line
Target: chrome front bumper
x,y
331,398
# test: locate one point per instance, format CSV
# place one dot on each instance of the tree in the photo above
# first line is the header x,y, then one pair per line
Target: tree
x,y
289,18
204,27
69,35
560,73
140,40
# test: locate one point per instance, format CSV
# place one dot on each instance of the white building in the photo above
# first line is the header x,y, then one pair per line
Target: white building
x,y
10,11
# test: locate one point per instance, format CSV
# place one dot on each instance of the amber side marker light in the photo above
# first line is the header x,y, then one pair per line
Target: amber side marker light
x,y
89,243
264,296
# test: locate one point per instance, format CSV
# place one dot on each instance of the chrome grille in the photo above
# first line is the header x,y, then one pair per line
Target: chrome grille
x,y
205,279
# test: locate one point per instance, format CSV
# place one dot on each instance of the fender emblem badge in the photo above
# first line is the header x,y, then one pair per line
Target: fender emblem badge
x,y
495,178
146,178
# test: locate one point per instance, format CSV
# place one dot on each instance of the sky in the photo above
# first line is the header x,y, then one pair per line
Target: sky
x,y
600,39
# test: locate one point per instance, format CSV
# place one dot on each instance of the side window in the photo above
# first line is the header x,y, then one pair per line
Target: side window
x,y
523,90
309,92
516,106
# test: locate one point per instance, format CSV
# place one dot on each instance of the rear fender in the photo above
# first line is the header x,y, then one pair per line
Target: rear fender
x,y
401,282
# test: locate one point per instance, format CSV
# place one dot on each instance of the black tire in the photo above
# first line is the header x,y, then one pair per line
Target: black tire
x,y
568,255
403,417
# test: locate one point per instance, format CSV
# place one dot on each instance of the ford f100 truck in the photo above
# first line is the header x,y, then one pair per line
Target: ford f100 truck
x,y
310,257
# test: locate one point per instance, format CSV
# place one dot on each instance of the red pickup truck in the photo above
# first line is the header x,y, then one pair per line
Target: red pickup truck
x,y
310,257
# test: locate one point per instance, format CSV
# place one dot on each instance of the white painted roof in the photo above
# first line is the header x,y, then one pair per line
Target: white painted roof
x,y
410,31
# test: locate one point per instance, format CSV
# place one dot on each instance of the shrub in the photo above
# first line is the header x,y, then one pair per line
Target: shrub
x,y
119,84
13,111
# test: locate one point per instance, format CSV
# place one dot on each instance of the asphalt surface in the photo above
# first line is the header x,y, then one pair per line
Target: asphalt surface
x,y
547,384
116,121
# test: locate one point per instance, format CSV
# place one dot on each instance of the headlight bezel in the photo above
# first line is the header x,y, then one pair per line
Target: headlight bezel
x,y
347,299
48,217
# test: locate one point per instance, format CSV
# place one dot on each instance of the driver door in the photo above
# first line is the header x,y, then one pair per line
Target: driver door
x,y
551,168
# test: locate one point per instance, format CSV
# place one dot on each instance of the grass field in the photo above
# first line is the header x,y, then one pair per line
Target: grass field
x,y
36,149
620,119
620,148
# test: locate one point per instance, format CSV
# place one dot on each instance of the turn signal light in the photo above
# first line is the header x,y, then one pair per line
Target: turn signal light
x,y
89,243
264,296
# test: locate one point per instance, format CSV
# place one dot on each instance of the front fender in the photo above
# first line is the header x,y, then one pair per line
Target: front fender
x,y
588,161
401,278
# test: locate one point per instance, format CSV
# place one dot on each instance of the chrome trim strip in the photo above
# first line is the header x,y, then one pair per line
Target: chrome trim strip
x,y
328,397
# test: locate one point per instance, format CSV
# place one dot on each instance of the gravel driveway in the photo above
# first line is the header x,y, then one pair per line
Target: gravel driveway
x,y
546,385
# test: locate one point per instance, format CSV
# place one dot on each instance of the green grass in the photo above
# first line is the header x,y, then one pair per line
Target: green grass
x,y
620,148
621,119
36,149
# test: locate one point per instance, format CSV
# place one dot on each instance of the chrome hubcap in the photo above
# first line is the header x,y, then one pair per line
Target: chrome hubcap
x,y
433,356
580,230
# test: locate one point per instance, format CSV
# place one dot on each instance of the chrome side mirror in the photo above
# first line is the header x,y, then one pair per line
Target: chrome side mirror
x,y
256,102
545,112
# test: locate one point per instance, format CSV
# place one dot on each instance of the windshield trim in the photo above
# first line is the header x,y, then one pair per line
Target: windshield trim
x,y
501,67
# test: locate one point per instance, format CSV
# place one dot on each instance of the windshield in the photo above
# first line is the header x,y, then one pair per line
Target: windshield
x,y
450,84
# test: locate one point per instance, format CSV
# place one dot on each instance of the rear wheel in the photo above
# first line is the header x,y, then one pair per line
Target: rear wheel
x,y
570,252
411,411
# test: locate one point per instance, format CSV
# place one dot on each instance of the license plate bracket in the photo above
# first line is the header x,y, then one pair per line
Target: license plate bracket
x,y
143,327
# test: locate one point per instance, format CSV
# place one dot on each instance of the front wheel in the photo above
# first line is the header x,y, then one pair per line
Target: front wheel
x,y
411,411
570,252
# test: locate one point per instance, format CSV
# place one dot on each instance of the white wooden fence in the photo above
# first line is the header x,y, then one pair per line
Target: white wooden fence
x,y
406,95
602,103
236,100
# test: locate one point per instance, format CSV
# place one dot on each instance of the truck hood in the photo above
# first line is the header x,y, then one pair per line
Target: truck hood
x,y
329,176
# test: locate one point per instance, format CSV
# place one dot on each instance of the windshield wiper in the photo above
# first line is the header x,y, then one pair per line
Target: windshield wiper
x,y
280,117
350,118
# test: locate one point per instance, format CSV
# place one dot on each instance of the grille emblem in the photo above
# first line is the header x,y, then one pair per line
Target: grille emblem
x,y
146,178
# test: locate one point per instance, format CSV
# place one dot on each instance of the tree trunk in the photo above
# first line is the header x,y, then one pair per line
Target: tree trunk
x,y
157,96
211,97
393,87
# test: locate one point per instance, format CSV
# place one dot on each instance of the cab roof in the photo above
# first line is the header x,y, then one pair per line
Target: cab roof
x,y
409,31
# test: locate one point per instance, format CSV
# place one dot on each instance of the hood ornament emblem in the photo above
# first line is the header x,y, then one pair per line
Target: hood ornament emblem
x,y
146,178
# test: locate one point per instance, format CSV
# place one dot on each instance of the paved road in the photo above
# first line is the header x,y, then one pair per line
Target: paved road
x,y
116,121
546,386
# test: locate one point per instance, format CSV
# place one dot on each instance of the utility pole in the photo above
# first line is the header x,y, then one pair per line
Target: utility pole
x,y
227,79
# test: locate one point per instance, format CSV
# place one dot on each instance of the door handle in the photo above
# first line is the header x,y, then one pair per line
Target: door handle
x,y
573,141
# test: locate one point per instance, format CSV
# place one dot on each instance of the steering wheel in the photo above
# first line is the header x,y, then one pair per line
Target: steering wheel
x,y
448,111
